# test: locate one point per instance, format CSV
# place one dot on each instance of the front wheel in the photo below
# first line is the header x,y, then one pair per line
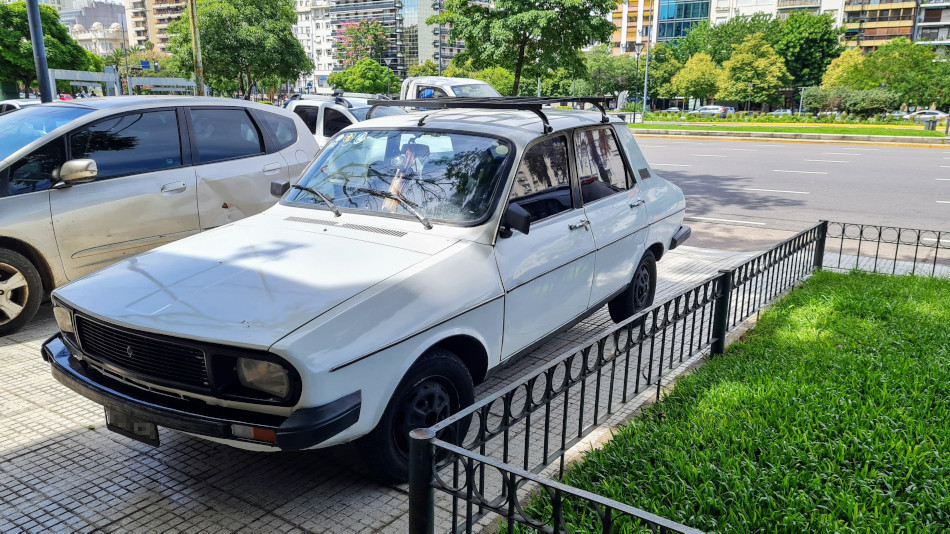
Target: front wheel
x,y
21,290
639,294
435,387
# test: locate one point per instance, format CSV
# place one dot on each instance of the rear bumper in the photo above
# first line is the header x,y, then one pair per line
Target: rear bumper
x,y
680,236
305,428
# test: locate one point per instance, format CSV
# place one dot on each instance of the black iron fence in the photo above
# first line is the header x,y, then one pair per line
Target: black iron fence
x,y
517,438
887,249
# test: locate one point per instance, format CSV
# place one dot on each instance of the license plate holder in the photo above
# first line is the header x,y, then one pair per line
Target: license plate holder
x,y
132,427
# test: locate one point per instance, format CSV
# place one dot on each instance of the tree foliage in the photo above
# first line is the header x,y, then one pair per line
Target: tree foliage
x,y
609,74
842,68
862,102
528,37
16,50
429,68
499,78
367,76
808,43
718,40
699,78
244,40
360,40
753,73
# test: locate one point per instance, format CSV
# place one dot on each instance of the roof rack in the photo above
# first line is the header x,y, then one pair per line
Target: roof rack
x,y
532,104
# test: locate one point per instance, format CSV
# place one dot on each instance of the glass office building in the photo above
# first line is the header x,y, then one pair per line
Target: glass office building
x,y
678,16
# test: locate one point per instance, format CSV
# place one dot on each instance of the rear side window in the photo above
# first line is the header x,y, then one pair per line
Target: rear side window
x,y
222,134
282,129
543,182
334,121
600,166
130,144
34,172
309,115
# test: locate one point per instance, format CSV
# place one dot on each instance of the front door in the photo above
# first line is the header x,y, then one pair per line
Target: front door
x,y
546,274
144,195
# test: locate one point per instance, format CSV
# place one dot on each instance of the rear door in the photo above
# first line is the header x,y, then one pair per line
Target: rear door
x,y
233,167
144,195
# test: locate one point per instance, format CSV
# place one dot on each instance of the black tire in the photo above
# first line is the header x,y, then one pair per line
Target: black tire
x,y
438,385
639,294
21,291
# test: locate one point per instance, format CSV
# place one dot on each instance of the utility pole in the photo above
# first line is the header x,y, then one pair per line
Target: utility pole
x,y
39,50
196,47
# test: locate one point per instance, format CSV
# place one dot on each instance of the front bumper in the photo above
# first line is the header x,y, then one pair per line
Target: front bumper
x,y
305,428
680,236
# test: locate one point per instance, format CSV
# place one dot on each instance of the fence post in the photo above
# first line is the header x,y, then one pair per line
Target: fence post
x,y
820,244
721,312
421,492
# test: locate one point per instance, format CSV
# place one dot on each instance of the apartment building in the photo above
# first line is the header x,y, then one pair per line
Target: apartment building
x,y
871,23
314,31
933,22
148,20
386,12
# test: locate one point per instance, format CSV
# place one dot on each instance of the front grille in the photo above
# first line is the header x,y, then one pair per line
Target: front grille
x,y
144,355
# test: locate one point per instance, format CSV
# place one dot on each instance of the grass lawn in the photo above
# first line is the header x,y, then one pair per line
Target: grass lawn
x,y
833,415
830,129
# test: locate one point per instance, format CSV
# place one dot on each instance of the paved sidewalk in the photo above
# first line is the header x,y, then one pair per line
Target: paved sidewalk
x,y
61,470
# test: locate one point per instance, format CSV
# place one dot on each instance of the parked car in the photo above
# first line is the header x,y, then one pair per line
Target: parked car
x,y
709,111
924,115
13,105
86,183
730,111
325,115
781,113
417,253
444,86
673,109
895,115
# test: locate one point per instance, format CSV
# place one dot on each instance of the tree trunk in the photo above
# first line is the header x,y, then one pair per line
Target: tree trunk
x,y
241,82
250,84
519,65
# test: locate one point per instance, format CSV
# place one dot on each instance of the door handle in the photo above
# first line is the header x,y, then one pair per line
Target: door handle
x,y
272,168
582,224
638,203
174,188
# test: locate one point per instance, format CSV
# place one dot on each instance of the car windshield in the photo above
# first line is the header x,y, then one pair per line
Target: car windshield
x,y
360,113
475,90
31,123
445,177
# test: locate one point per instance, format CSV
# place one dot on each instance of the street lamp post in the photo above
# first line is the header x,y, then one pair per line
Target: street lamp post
x,y
646,71
637,48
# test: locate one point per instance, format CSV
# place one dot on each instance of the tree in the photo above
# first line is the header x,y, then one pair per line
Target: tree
x,y
905,68
529,37
719,40
360,40
609,74
808,43
243,40
429,68
499,78
842,68
753,73
663,67
699,78
367,76
16,50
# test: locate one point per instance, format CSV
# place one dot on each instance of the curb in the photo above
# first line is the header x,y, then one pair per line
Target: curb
x,y
781,137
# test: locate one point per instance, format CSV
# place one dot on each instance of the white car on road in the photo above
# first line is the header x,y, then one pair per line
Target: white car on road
x,y
416,254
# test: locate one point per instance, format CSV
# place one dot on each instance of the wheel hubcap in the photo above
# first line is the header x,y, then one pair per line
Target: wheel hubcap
x,y
641,287
14,293
426,404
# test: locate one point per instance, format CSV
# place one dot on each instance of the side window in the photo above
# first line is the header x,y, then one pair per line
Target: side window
x,y
430,92
333,122
130,144
309,115
600,166
543,182
34,172
224,134
282,129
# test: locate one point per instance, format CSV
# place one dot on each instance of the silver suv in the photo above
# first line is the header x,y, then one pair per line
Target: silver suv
x,y
83,185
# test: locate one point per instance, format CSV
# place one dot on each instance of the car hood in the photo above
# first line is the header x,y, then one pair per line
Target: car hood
x,y
246,284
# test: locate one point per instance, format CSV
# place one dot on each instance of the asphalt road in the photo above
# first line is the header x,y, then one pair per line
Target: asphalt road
x,y
746,195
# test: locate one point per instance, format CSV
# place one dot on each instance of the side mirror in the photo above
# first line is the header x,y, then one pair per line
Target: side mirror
x,y
515,218
76,171
279,187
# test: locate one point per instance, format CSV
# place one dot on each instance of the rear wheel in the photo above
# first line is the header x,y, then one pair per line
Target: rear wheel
x,y
21,290
435,387
639,294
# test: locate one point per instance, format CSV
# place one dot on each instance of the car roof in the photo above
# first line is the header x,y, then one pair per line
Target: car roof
x,y
519,126
443,81
149,101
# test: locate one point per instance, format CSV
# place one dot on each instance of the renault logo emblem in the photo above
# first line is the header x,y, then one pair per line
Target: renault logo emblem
x,y
128,351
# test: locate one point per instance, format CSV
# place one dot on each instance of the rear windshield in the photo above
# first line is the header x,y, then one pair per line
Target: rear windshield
x,y
475,90
30,123
360,113
446,176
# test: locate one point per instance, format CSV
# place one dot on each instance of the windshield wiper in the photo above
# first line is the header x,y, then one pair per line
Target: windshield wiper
x,y
410,207
321,196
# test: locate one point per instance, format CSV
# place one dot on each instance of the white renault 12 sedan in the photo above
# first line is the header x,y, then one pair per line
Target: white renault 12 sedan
x,y
417,253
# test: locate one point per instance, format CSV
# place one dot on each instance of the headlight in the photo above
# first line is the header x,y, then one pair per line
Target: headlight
x,y
64,318
263,376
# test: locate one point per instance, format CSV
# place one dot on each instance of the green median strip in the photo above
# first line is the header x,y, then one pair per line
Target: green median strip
x,y
832,415
834,130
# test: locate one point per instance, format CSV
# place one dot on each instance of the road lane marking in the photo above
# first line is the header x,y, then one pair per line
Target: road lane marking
x,y
943,179
671,164
724,220
828,160
777,191
945,166
863,148
800,172
752,150
943,202
709,155
840,154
